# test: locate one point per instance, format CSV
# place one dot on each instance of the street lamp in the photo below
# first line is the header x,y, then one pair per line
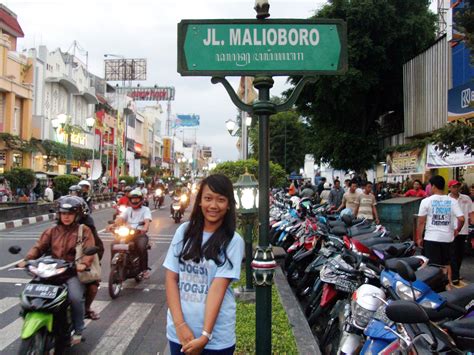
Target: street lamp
x,y
230,125
90,123
65,122
246,197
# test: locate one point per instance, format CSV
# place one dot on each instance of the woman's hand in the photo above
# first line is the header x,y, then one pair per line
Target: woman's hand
x,y
195,346
184,334
81,267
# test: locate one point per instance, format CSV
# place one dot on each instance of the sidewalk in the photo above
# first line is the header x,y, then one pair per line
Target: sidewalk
x,y
45,217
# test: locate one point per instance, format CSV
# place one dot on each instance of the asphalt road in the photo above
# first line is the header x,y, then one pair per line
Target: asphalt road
x,y
132,324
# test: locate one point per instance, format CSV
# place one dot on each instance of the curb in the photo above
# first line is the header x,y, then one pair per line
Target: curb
x,y
305,341
45,217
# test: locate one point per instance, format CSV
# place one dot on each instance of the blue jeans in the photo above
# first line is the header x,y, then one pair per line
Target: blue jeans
x,y
76,297
175,349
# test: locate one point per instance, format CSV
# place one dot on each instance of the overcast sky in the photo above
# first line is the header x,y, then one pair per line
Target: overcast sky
x,y
148,29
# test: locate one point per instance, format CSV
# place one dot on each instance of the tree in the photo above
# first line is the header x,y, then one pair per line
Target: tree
x,y
342,110
465,24
288,140
233,169
63,182
20,178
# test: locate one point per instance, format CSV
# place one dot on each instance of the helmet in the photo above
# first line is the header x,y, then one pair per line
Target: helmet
x,y
75,190
327,185
84,183
134,195
295,200
127,189
122,182
140,182
71,204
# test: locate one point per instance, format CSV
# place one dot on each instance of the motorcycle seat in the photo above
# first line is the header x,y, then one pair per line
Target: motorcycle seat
x,y
431,275
370,235
393,250
458,296
337,223
371,242
355,231
339,230
414,263
461,327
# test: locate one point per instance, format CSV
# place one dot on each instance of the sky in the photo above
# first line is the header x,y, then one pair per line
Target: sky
x,y
148,29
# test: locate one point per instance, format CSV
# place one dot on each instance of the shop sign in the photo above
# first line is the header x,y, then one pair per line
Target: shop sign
x,y
406,163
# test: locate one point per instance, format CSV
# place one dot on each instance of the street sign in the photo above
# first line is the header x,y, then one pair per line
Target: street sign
x,y
272,47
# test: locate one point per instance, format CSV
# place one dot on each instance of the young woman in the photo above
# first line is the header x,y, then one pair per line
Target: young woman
x,y
204,258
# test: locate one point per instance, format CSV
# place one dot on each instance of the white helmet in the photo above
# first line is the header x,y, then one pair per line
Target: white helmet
x,y
85,183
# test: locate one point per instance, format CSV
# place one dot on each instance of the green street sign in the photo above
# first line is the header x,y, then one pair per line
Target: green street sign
x,y
251,47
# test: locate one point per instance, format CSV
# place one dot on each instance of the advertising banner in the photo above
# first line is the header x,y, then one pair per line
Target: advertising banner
x,y
459,102
406,163
167,150
435,160
187,120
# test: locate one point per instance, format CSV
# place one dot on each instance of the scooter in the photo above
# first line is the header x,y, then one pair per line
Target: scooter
x,y
158,198
45,307
178,206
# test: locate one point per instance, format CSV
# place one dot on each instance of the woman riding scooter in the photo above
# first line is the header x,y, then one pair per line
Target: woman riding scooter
x,y
61,241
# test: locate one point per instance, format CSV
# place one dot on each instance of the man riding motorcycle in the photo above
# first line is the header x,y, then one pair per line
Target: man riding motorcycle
x,y
138,217
86,187
61,241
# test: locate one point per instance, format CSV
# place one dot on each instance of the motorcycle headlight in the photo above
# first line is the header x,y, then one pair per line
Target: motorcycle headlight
x,y
184,198
47,270
361,316
123,231
405,292
122,208
176,207
158,192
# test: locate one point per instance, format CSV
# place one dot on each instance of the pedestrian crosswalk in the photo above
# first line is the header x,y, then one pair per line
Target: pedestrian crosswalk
x,y
114,335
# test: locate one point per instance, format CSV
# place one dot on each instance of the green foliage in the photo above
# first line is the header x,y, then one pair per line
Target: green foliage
x,y
289,137
233,169
63,182
447,139
19,178
465,24
342,110
154,171
56,149
147,180
283,340
15,142
130,180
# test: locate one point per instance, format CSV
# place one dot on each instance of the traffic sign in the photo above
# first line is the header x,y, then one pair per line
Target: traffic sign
x,y
272,47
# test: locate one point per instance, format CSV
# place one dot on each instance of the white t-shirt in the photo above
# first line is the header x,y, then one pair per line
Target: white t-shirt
x,y
441,212
135,216
465,203
49,194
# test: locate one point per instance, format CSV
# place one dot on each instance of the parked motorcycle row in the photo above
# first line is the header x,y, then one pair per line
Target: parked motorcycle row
x,y
363,290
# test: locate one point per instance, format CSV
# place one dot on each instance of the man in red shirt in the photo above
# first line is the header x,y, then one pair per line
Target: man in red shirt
x,y
416,191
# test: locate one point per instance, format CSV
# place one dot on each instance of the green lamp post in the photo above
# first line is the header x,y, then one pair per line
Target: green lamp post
x,y
246,197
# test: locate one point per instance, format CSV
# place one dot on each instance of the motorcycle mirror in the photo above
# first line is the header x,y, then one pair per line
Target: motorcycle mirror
x,y
91,250
15,249
407,312
405,271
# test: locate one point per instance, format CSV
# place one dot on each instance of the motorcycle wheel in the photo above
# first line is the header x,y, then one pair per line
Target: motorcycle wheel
x,y
115,282
34,345
156,204
313,302
331,339
303,285
293,274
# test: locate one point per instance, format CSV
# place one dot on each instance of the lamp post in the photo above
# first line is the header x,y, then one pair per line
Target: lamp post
x,y
246,197
64,121
90,123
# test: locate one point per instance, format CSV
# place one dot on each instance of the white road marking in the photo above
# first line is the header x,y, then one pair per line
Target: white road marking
x,y
7,303
97,307
10,333
4,267
121,332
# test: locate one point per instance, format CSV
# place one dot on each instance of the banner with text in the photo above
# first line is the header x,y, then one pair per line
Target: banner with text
x,y
406,163
187,120
453,160
167,150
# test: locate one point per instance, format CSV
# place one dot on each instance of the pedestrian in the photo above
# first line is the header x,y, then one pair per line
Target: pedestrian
x,y
322,181
48,192
366,205
307,190
438,213
203,260
326,191
336,195
416,191
347,185
292,189
457,251
350,198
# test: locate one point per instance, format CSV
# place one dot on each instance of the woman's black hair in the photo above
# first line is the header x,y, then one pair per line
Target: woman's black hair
x,y
220,239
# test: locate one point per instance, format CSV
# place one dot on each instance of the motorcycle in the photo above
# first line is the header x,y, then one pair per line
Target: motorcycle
x,y
158,198
118,209
125,260
44,303
179,206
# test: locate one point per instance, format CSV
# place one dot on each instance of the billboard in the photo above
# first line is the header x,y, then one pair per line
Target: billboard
x,y
460,101
154,93
406,163
187,120
125,69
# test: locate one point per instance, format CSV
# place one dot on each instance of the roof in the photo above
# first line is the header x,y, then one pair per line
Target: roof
x,y
9,23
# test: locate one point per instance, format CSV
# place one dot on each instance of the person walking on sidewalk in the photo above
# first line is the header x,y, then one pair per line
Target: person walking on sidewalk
x,y
204,258
457,251
439,213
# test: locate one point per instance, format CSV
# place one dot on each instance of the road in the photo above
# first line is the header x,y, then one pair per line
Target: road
x,y
132,324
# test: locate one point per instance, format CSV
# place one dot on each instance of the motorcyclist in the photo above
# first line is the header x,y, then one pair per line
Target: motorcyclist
x,y
61,241
134,216
86,187
122,185
75,190
142,188
125,199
